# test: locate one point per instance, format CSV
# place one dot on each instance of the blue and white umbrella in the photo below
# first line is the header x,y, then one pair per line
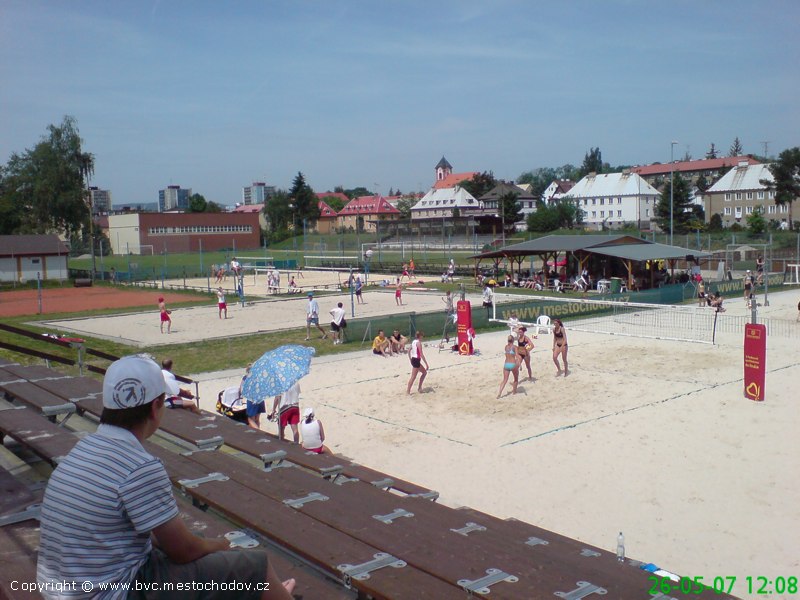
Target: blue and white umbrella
x,y
276,371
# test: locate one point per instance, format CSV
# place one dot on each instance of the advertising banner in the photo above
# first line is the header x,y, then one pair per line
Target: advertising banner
x,y
464,327
755,361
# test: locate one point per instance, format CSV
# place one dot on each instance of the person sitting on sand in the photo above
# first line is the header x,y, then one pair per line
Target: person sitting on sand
x,y
716,302
381,345
398,342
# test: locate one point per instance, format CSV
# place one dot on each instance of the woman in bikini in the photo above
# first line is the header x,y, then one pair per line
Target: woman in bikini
x,y
524,347
560,346
511,365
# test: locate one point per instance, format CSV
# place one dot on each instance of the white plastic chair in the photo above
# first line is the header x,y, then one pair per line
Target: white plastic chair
x,y
542,322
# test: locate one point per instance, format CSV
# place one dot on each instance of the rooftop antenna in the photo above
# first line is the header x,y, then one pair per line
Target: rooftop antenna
x,y
766,148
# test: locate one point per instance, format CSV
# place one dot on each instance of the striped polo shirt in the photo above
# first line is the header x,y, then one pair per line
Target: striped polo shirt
x,y
100,505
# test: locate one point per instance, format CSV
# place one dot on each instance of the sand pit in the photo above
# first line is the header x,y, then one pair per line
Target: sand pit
x,y
653,438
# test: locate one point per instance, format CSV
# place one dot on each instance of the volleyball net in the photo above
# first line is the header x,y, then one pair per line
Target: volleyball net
x,y
655,321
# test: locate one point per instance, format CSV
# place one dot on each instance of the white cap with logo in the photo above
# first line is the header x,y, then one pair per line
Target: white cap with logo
x,y
132,381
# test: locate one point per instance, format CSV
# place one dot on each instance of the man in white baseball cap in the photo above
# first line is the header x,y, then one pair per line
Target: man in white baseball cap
x,y
107,498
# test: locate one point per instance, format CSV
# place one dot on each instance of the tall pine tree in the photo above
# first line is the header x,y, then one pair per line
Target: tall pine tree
x,y
736,148
681,207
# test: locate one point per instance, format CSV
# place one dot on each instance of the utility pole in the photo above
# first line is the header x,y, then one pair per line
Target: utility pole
x,y
671,187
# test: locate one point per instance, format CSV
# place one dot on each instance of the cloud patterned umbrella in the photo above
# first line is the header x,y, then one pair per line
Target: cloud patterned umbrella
x,y
276,371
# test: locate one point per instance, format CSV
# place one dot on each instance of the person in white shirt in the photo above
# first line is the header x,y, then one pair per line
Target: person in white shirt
x,y
176,396
417,358
488,300
236,268
312,317
287,408
338,323
221,305
313,433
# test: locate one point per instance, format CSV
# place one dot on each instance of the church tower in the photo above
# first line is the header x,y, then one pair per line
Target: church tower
x,y
443,169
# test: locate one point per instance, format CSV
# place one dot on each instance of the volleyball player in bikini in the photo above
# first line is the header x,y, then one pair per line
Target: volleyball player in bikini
x,y
165,314
510,366
417,358
560,346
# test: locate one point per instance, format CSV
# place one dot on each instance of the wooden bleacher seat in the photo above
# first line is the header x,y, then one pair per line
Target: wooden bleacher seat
x,y
306,537
14,495
73,388
32,395
425,535
310,584
44,438
33,372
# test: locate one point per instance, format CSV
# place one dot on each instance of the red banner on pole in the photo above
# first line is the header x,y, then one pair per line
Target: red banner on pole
x,y
464,327
755,361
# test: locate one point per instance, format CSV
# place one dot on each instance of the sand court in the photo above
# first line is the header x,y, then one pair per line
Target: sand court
x,y
264,315
650,437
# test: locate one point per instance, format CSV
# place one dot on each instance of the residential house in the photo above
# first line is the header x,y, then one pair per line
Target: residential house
x,y
691,170
556,190
526,200
612,199
366,213
740,192
328,217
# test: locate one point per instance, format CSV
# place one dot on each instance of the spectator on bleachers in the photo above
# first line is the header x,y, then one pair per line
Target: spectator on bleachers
x,y
98,530
177,397
286,408
313,433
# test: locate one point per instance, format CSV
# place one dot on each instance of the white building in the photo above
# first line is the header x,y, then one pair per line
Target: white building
x,y
613,199
440,202
557,189
740,192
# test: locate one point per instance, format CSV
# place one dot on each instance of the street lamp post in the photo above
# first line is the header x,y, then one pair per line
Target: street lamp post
x,y
294,229
671,187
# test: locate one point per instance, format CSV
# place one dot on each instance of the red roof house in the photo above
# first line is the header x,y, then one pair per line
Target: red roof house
x,y
370,209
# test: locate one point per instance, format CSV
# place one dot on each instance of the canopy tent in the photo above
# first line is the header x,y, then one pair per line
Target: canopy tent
x,y
627,248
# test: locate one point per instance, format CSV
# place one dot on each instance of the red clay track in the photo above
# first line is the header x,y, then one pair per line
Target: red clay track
x,y
15,303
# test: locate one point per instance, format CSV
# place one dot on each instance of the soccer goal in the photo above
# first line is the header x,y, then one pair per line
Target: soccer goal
x,y
139,249
331,262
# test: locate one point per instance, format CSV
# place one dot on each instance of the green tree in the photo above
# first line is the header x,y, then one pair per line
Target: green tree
x,y
593,163
480,183
563,214
404,205
512,211
277,212
335,202
785,180
197,203
213,207
715,222
712,152
681,207
756,222
702,183
736,148
305,202
45,188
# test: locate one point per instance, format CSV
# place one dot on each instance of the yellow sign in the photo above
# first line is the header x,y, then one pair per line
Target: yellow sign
x,y
753,391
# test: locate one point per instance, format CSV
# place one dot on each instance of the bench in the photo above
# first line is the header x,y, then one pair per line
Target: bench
x,y
19,539
306,537
34,396
47,440
211,430
310,583
426,535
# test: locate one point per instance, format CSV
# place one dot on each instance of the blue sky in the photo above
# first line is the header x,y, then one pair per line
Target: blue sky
x,y
215,95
